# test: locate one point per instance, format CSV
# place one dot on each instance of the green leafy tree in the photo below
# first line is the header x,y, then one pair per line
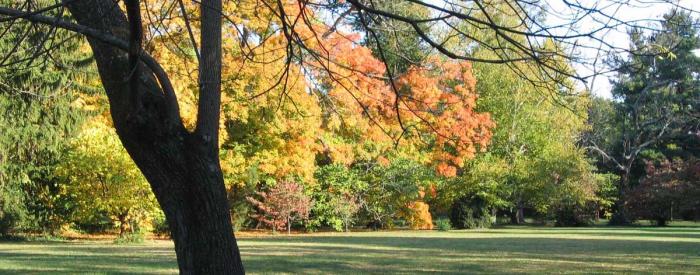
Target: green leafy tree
x,y
335,197
535,144
392,188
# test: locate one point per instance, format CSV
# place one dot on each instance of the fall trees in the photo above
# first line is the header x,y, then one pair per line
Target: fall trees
x,y
180,158
102,180
176,72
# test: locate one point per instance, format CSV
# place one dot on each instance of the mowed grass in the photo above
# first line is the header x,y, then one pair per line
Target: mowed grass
x,y
505,250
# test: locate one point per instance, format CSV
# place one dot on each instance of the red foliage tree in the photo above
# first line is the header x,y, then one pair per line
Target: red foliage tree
x,y
668,186
283,203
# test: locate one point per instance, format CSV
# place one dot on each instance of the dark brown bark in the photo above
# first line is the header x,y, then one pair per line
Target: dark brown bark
x,y
521,215
182,168
621,215
122,224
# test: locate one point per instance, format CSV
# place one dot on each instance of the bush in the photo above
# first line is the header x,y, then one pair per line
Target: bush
x,y
136,234
336,200
573,215
418,216
12,209
160,226
443,225
8,220
98,223
471,212
283,204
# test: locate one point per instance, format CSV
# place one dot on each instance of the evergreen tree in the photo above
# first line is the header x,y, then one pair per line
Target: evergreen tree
x,y
656,102
37,115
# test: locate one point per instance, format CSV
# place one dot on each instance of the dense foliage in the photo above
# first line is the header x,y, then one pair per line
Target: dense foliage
x,y
654,114
667,187
387,135
37,117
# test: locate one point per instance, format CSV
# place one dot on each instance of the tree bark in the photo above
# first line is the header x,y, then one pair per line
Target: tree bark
x,y
182,167
520,215
621,215
513,215
122,224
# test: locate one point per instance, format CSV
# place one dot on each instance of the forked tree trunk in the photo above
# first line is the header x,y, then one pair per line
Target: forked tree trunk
x,y
182,167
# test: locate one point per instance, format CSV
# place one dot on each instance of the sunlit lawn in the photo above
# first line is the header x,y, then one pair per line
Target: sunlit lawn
x,y
505,250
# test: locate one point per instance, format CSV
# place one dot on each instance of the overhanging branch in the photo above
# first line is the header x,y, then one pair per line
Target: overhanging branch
x,y
106,38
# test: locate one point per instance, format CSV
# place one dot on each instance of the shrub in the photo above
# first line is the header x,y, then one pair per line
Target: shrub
x,y
393,188
160,225
335,198
418,216
573,215
8,220
443,224
471,212
99,222
12,211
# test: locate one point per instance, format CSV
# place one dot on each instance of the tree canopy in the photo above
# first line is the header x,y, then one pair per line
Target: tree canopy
x,y
252,113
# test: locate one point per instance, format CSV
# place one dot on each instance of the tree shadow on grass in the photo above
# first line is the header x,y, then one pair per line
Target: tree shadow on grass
x,y
610,232
372,254
66,258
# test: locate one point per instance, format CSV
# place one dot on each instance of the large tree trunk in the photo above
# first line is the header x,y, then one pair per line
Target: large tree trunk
x,y
199,220
182,167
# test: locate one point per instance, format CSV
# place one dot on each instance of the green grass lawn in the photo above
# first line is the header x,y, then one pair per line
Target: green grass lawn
x,y
506,250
